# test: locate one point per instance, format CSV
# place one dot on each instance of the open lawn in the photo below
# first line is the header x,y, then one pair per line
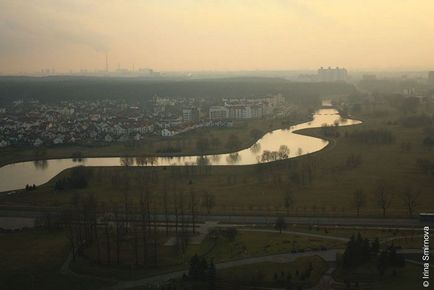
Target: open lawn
x,y
31,259
407,278
407,242
250,244
270,274
265,275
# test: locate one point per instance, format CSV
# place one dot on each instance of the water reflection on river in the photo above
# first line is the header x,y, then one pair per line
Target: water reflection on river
x,y
275,145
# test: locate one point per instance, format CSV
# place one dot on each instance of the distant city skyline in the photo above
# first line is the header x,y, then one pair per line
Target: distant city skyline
x,y
187,35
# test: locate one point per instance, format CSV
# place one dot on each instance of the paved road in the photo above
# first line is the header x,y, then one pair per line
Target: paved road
x,y
327,237
22,211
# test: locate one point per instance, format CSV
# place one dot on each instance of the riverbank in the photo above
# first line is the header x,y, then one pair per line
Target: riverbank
x,y
275,145
186,143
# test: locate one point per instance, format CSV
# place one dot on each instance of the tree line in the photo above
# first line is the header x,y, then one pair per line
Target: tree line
x,y
50,89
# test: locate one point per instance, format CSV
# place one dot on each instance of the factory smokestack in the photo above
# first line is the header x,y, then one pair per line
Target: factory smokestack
x,y
106,63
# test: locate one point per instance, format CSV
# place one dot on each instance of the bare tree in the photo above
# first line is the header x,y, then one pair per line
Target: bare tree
x,y
118,234
280,224
182,238
155,234
283,152
208,201
92,221
136,245
359,200
143,206
288,200
166,208
72,237
383,197
108,249
126,209
182,210
193,205
410,199
176,210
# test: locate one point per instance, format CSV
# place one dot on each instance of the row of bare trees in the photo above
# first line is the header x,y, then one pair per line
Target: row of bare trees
x,y
383,197
126,231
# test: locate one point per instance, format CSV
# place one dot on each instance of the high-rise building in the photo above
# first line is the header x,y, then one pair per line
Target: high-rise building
x,y
190,115
332,74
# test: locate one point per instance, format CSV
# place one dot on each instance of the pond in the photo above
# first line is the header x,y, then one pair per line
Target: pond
x,y
275,145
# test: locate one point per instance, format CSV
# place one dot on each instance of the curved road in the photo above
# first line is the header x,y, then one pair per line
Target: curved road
x,y
329,256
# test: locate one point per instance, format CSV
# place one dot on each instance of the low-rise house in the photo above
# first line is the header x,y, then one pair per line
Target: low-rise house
x,y
108,138
38,142
93,134
58,140
167,133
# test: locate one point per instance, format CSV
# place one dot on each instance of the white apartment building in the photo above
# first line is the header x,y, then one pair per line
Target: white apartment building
x,y
332,74
218,113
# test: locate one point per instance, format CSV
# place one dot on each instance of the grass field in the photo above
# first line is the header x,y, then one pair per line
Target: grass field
x,y
31,259
265,275
270,274
244,245
407,278
260,189
249,244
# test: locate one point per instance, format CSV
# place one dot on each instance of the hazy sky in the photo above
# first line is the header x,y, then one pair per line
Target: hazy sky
x,y
216,35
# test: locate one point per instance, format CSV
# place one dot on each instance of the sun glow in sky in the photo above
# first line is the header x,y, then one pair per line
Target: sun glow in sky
x,y
216,35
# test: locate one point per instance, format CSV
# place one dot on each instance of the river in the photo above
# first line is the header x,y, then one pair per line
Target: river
x,y
275,145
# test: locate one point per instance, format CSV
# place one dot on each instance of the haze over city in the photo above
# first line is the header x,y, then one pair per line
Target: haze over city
x,y
187,35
